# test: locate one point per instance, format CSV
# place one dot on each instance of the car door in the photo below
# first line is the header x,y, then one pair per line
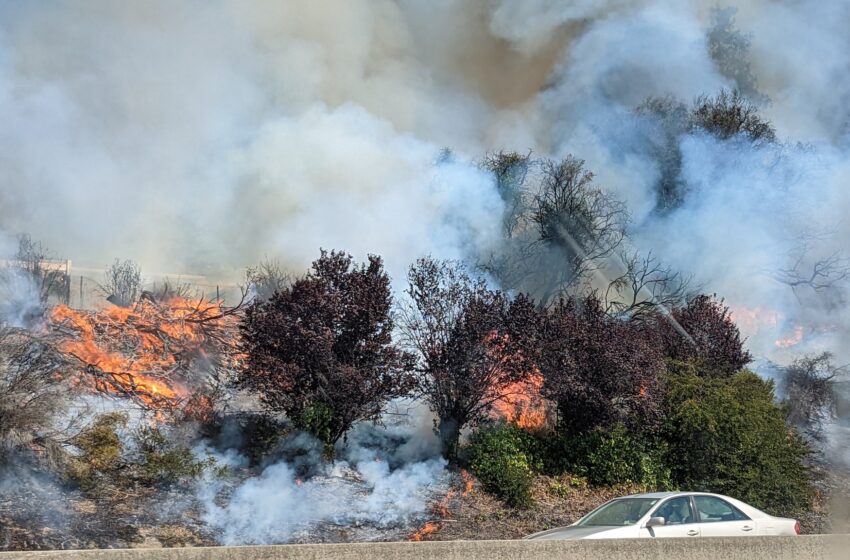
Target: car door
x,y
719,518
679,517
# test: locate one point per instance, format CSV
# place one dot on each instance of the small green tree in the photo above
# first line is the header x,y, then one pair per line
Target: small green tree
x,y
729,435
161,461
501,457
100,451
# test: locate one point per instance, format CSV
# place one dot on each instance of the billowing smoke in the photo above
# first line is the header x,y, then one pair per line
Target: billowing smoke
x,y
202,136
382,482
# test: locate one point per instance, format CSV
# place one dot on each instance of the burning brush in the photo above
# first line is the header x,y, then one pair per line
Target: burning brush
x,y
156,352
442,509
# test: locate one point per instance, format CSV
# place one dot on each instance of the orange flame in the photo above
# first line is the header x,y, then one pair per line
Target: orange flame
x,y
752,320
795,338
522,403
136,351
427,529
441,508
519,402
468,484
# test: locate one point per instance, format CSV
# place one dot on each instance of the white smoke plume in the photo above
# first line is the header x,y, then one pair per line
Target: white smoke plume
x,y
202,136
381,484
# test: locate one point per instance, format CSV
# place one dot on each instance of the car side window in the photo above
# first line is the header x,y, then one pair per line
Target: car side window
x,y
712,510
676,511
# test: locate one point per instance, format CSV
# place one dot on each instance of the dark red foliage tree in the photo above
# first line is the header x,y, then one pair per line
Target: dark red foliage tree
x,y
600,370
320,350
473,344
703,331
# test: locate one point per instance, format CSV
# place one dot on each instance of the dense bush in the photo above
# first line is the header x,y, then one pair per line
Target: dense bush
x,y
34,390
103,461
502,458
704,331
608,457
162,461
100,451
598,369
471,344
320,350
728,435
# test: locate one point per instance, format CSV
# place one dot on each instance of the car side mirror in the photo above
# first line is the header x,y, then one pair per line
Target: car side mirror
x,y
655,522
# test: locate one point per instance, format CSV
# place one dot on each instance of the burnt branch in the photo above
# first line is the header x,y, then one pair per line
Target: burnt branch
x,y
810,397
820,275
645,285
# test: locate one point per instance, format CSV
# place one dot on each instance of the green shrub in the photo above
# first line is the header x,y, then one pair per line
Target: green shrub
x,y
502,458
317,419
729,435
609,457
100,451
163,462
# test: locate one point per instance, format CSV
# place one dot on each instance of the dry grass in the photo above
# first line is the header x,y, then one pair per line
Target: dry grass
x,y
558,501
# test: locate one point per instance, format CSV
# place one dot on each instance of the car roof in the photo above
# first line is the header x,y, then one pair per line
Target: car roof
x,y
659,495
655,495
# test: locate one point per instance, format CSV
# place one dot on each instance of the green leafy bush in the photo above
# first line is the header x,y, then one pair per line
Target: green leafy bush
x,y
608,457
729,435
502,458
163,462
100,451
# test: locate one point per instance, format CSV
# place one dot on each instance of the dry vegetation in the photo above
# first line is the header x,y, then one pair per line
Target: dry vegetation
x,y
558,501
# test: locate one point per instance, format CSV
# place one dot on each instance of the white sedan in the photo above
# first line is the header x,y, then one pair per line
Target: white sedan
x,y
673,514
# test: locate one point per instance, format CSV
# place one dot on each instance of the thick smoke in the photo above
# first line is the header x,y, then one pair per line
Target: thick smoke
x,y
202,136
382,482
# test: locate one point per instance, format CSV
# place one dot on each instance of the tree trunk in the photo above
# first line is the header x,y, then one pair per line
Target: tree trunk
x,y
449,431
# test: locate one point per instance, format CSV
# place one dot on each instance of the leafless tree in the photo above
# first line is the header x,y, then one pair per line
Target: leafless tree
x,y
510,170
33,259
169,290
33,390
730,114
645,285
729,48
559,227
122,283
668,119
267,278
809,387
579,222
820,274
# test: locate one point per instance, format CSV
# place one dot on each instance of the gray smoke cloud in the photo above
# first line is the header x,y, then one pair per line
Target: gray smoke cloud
x,y
203,136
383,482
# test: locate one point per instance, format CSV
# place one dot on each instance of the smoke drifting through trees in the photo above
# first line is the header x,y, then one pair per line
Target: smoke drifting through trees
x,y
202,139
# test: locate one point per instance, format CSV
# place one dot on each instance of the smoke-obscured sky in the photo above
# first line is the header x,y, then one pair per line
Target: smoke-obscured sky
x,y
200,136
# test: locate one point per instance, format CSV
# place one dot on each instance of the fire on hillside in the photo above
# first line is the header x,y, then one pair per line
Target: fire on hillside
x,y
159,353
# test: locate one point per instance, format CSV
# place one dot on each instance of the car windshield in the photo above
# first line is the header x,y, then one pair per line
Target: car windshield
x,y
623,511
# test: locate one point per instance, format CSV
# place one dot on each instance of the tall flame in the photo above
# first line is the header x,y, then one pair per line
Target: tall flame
x,y
522,403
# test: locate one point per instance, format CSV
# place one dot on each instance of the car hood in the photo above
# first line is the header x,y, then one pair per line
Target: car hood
x,y
570,532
